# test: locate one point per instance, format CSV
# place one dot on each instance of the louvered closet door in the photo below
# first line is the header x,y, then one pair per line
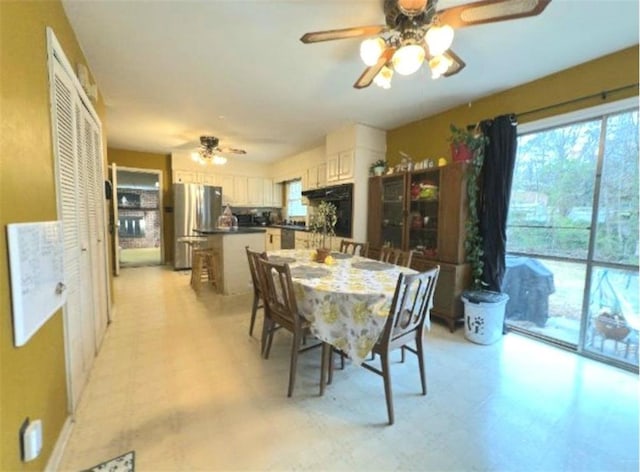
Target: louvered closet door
x,y
86,282
95,222
80,349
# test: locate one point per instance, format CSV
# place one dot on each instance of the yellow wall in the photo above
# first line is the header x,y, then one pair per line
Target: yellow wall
x,y
32,377
162,162
427,138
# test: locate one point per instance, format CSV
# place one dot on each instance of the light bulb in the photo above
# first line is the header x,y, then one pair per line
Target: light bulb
x,y
439,39
383,79
408,59
439,65
219,160
195,156
370,50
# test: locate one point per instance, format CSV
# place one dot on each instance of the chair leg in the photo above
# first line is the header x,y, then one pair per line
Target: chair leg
x,y
323,365
254,310
386,375
402,354
420,353
330,375
268,337
293,365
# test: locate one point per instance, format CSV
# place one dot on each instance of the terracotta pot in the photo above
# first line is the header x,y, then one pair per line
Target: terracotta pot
x,y
460,152
322,253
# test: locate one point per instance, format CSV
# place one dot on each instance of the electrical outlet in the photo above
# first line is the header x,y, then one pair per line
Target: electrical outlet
x,y
31,439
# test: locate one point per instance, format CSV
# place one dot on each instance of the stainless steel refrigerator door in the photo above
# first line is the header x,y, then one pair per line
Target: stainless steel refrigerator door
x,y
195,206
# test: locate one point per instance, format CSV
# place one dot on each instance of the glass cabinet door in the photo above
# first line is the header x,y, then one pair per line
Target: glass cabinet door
x,y
393,211
423,212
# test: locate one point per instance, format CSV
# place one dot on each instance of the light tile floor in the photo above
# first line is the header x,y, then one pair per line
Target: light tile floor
x,y
179,380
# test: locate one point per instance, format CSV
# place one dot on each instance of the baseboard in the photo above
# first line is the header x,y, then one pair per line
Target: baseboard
x,y
53,464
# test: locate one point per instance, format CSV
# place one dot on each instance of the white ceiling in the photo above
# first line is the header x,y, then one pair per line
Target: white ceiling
x,y
170,71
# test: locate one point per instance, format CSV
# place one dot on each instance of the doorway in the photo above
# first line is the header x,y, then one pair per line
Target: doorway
x,y
137,204
572,234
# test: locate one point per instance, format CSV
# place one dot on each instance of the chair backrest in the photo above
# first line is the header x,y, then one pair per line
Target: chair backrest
x,y
253,256
396,256
278,294
352,247
411,304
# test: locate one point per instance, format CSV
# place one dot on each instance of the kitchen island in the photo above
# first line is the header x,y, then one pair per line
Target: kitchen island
x,y
233,267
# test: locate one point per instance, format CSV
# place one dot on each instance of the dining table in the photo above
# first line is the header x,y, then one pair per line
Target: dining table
x,y
346,300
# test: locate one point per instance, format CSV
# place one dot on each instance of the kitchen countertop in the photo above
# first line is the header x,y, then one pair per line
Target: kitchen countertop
x,y
239,230
294,227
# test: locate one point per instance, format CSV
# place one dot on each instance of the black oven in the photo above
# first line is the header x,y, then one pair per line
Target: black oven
x,y
342,197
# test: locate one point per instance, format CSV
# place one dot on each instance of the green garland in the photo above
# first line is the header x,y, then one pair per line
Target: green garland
x,y
473,243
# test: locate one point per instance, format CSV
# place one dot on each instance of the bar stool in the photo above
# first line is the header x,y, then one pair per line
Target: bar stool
x,y
204,267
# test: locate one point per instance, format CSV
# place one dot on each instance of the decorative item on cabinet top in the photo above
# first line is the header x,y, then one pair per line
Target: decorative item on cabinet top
x,y
378,167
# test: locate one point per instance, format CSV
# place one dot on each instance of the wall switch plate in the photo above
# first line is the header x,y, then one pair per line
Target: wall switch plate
x,y
32,441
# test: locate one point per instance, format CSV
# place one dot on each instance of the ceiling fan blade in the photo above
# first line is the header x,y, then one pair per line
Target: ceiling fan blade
x,y
370,72
457,65
229,150
345,33
490,11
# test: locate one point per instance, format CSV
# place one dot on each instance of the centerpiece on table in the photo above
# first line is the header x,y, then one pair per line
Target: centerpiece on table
x,y
322,224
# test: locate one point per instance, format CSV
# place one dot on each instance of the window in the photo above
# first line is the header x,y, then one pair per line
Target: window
x,y
572,232
294,199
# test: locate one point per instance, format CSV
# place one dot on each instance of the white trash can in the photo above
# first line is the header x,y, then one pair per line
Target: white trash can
x,y
483,315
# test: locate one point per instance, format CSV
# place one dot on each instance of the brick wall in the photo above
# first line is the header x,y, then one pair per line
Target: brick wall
x,y
149,213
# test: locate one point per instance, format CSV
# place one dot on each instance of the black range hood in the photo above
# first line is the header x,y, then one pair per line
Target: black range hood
x,y
336,192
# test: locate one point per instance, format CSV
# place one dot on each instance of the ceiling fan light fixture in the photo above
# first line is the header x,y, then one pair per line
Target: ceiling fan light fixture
x,y
370,50
408,59
383,79
439,65
412,7
439,39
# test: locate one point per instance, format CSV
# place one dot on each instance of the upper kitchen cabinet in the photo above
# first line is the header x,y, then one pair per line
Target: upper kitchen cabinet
x,y
314,176
350,152
255,191
340,167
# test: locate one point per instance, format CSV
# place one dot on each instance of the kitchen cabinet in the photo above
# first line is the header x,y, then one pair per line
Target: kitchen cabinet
x,y
272,239
267,192
240,190
184,177
302,239
226,182
255,191
277,195
425,211
314,176
340,166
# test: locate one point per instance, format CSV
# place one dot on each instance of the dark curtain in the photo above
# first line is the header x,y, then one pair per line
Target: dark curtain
x,y
497,175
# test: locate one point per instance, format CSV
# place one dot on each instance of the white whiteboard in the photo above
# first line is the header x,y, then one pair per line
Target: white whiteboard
x,y
37,276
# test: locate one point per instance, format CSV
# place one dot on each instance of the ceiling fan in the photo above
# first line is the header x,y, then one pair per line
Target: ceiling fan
x,y
209,152
415,31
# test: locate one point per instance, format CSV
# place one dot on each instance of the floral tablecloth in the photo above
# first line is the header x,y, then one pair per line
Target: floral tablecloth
x,y
346,305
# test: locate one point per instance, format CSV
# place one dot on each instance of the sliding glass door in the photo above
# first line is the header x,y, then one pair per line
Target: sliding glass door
x,y
572,232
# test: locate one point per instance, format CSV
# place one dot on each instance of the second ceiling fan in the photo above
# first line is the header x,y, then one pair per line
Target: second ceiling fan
x,y
415,31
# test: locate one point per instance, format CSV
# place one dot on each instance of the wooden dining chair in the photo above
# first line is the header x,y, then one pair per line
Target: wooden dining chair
x,y
353,247
258,301
396,256
281,311
412,301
